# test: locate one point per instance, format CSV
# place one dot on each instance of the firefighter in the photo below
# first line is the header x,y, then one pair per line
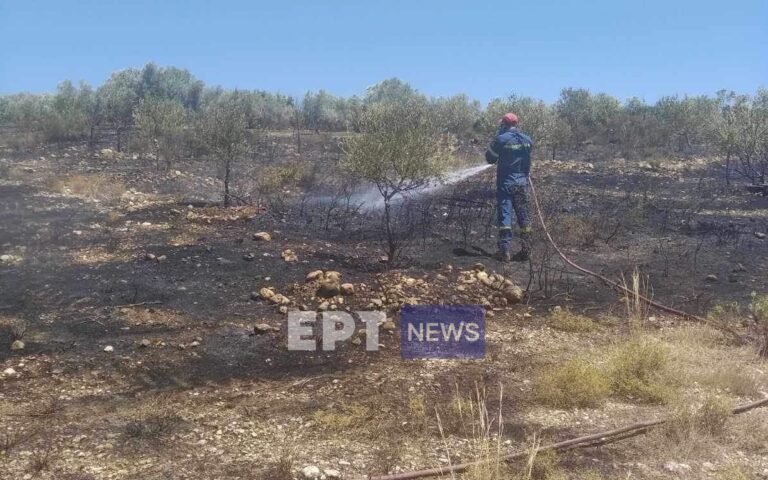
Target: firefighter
x,y
511,152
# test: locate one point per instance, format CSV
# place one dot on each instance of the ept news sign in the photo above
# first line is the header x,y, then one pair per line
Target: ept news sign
x,y
442,331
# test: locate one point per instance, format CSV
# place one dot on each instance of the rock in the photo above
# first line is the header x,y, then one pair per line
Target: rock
x,y
262,236
109,349
6,258
389,326
331,473
711,278
279,299
282,309
144,343
760,235
675,467
478,267
377,303
255,296
347,289
311,472
323,306
194,344
150,256
328,289
513,294
333,276
314,275
739,268
266,293
161,258
17,345
289,256
441,277
262,328
108,154
248,257
9,371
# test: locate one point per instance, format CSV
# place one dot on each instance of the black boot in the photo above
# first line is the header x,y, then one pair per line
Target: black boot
x,y
525,251
503,255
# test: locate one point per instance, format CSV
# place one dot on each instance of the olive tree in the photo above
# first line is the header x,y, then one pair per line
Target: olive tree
x,y
221,127
741,130
399,149
458,114
537,119
64,117
161,123
119,96
392,90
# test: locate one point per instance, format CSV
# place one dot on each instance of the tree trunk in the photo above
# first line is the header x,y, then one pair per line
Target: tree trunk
x,y
227,171
119,132
391,242
90,137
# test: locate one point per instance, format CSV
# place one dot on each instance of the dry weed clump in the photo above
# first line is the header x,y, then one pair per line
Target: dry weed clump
x,y
567,321
574,384
736,382
638,371
539,466
484,430
343,418
93,187
689,424
759,309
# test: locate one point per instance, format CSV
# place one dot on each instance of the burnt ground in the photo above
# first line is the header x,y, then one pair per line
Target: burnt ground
x,y
189,391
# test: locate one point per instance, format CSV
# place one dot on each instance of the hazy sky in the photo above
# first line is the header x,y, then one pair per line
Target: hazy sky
x,y
486,49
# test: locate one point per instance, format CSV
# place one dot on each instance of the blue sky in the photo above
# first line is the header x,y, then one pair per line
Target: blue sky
x,y
485,49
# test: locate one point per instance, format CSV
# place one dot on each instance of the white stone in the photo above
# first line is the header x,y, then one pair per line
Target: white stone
x,y
311,472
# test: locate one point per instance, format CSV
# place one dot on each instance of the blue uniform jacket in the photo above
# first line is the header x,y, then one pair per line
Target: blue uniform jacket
x,y
511,152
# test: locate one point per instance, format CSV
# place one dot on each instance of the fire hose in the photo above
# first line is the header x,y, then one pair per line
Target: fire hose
x,y
621,288
593,440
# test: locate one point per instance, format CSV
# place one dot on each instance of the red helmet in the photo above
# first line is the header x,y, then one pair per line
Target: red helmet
x,y
509,119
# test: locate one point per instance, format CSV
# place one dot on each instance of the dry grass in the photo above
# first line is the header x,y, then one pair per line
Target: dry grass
x,y
343,418
639,371
576,383
98,255
139,316
485,433
93,187
732,472
636,370
738,382
567,321
690,424
637,308
539,466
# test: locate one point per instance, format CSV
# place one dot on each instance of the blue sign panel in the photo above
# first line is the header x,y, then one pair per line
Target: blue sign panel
x,y
442,331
